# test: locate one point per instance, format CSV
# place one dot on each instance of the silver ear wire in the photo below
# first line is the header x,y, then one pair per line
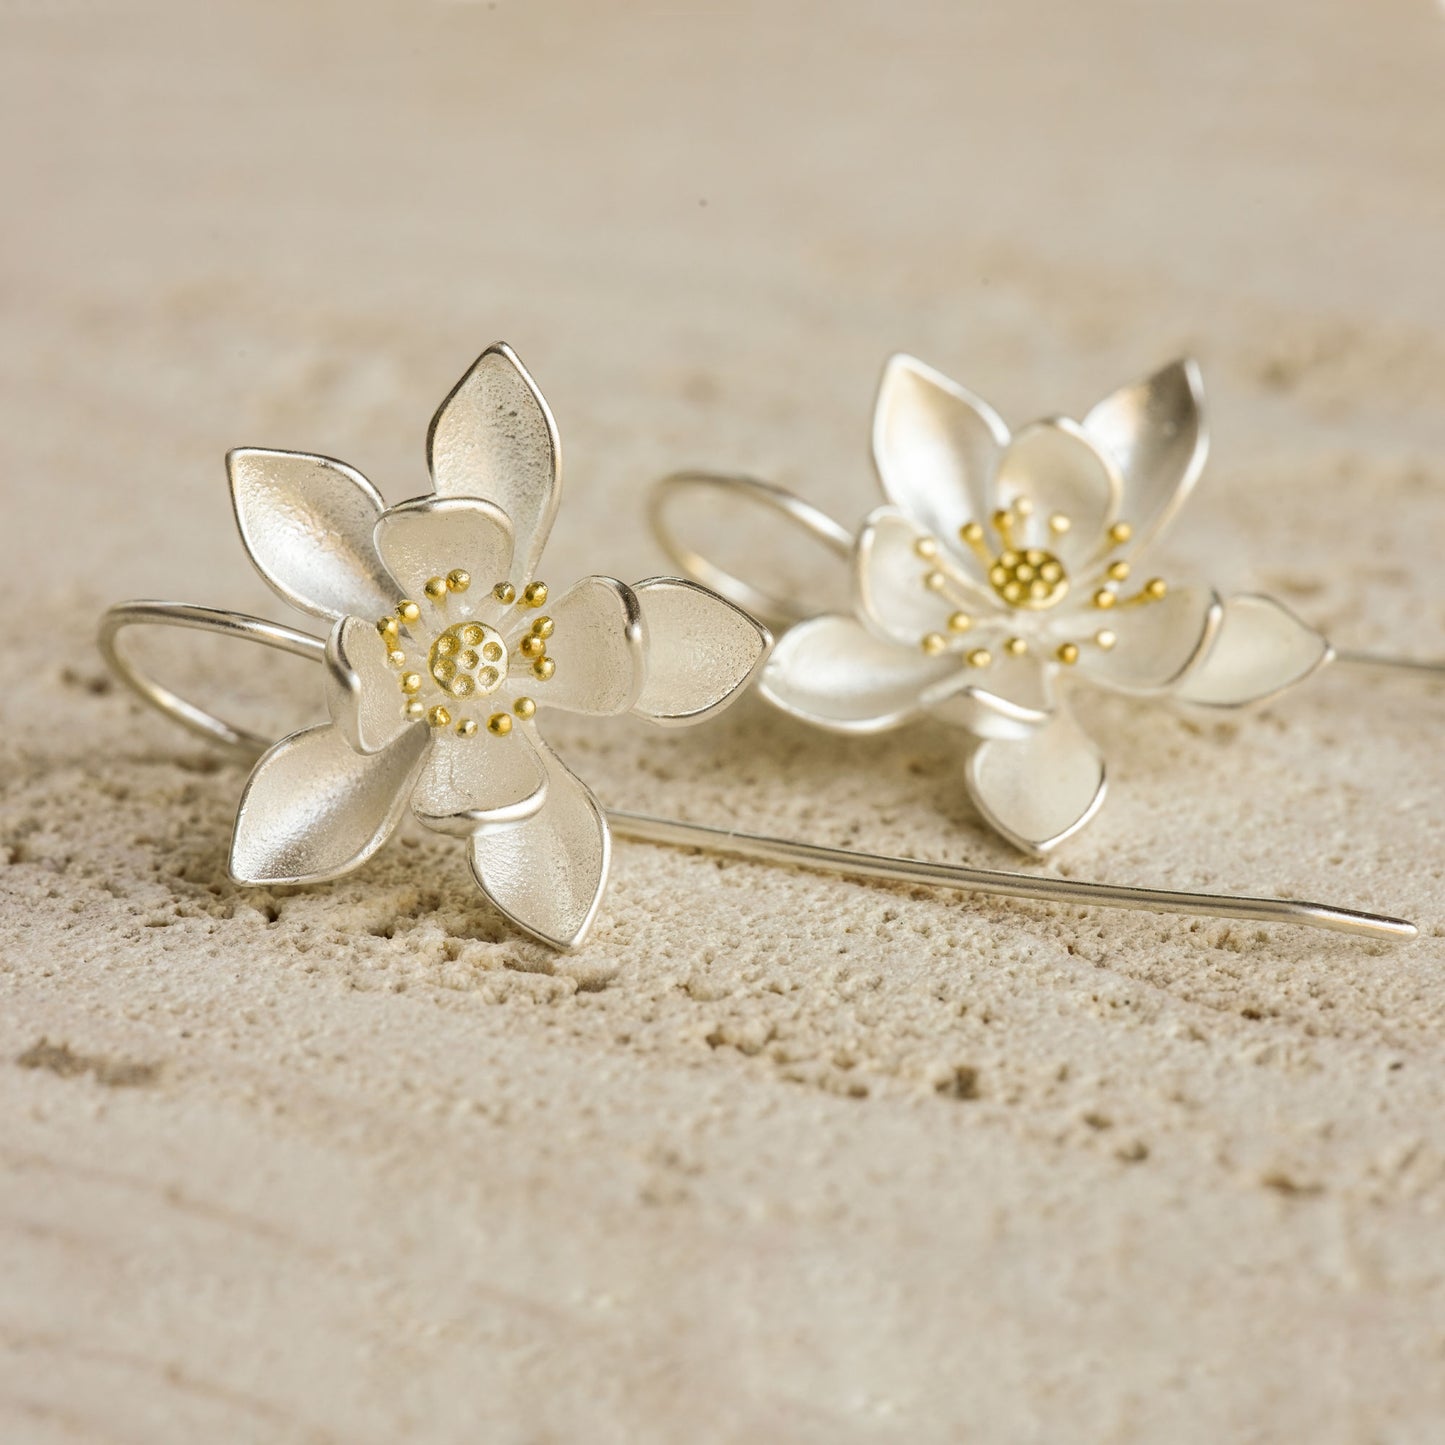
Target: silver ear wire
x,y
673,493
672,832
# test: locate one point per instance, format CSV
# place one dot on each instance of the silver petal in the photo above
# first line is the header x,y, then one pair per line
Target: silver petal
x,y
935,446
1041,789
494,438
1155,432
701,651
307,523
314,809
548,873
1015,700
1155,644
1261,649
1061,472
481,779
363,692
834,672
432,536
890,592
597,645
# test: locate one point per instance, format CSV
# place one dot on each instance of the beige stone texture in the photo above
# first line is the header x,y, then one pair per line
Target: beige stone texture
x,y
776,1157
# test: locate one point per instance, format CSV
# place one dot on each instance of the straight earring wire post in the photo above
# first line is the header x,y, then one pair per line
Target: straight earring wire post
x,y
675,833
813,856
1428,666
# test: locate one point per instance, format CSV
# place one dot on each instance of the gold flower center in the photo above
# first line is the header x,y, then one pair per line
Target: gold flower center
x,y
1033,578
1029,579
468,658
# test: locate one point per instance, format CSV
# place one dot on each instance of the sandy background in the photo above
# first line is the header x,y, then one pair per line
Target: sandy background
x,y
777,1158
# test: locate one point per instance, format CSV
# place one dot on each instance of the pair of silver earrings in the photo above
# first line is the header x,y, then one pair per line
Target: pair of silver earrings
x,y
1002,568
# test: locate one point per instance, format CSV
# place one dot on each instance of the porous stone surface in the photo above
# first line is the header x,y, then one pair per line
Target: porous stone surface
x,y
776,1156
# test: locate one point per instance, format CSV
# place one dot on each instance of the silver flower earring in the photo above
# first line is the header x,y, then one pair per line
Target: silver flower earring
x,y
1003,570
445,652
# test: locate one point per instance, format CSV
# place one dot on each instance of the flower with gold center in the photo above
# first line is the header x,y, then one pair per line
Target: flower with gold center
x,y
1007,566
442,661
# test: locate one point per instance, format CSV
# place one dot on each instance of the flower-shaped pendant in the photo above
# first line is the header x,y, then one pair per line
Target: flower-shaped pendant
x,y
446,650
1007,564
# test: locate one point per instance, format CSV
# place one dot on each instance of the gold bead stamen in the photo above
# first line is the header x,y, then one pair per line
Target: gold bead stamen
x,y
1152,591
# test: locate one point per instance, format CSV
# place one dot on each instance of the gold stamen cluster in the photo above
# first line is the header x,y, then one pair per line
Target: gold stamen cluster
x,y
467,658
1028,579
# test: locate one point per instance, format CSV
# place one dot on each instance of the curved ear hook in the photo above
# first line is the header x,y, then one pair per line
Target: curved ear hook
x,y
675,491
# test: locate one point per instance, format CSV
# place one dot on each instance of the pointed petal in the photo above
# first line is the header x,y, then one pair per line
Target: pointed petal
x,y
1062,473
1261,649
834,672
935,446
1040,789
432,536
313,809
890,591
494,438
1155,644
701,651
1155,433
548,873
307,522
597,645
481,779
363,692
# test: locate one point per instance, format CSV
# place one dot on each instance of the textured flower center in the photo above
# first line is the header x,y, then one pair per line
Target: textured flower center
x,y
1027,579
1032,578
466,659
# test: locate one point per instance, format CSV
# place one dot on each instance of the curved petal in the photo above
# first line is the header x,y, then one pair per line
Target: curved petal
x,y
314,809
1155,433
834,672
1155,644
1261,649
935,446
597,646
890,591
701,651
1055,466
494,438
1040,789
431,536
363,691
306,522
548,873
1013,698
480,779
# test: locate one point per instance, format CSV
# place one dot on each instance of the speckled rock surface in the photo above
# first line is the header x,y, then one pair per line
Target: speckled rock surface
x,y
776,1157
